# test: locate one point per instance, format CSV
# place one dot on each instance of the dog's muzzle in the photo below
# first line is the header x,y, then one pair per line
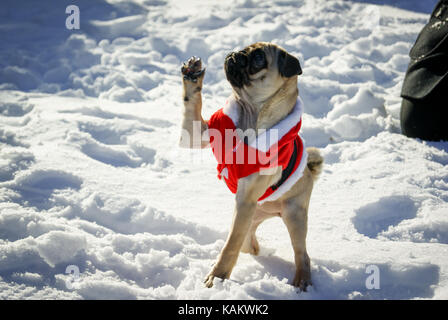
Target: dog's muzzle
x,y
235,66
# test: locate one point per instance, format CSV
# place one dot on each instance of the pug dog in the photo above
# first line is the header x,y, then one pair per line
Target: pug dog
x,y
263,77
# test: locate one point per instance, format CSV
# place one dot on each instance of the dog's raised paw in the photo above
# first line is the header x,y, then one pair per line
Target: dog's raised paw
x,y
192,69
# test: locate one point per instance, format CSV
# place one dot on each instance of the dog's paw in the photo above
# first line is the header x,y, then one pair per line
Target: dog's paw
x,y
216,272
209,280
302,280
192,69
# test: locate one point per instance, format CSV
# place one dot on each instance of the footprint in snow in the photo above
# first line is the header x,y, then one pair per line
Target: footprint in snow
x,y
133,155
99,113
13,160
15,109
10,138
107,155
138,156
111,132
400,282
36,189
376,217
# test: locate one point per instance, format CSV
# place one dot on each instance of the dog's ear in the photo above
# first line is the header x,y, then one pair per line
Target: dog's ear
x,y
288,65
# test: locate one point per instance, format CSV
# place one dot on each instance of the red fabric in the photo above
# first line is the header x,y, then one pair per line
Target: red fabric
x,y
254,160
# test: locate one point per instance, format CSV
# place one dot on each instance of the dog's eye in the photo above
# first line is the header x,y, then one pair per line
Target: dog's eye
x,y
258,59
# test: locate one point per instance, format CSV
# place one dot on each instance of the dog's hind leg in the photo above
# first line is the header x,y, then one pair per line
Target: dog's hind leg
x,y
295,216
250,244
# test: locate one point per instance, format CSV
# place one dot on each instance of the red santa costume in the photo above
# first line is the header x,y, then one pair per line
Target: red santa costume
x,y
279,145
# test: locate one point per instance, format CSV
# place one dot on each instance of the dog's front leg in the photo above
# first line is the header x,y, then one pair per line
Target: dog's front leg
x,y
229,255
193,125
249,190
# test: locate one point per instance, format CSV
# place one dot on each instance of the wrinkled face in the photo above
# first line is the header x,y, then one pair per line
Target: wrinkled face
x,y
260,70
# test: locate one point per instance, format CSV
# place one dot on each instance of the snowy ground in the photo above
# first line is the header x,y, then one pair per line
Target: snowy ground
x,y
91,175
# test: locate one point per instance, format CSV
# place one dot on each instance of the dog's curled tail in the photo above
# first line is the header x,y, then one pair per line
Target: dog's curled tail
x,y
315,162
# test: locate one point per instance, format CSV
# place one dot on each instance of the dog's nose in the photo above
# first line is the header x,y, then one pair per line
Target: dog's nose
x,y
235,67
238,59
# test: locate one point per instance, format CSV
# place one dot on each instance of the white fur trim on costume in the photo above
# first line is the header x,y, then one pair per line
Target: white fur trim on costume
x,y
269,137
224,174
293,178
232,110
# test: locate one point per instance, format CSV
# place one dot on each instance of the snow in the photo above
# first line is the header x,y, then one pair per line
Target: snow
x,y
91,175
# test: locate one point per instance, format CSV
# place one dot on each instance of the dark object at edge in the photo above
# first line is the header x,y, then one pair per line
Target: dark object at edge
x,y
424,109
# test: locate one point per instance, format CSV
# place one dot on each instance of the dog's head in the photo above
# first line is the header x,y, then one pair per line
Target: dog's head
x,y
258,71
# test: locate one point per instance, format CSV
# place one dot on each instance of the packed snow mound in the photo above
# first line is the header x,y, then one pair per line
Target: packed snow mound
x,y
98,202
